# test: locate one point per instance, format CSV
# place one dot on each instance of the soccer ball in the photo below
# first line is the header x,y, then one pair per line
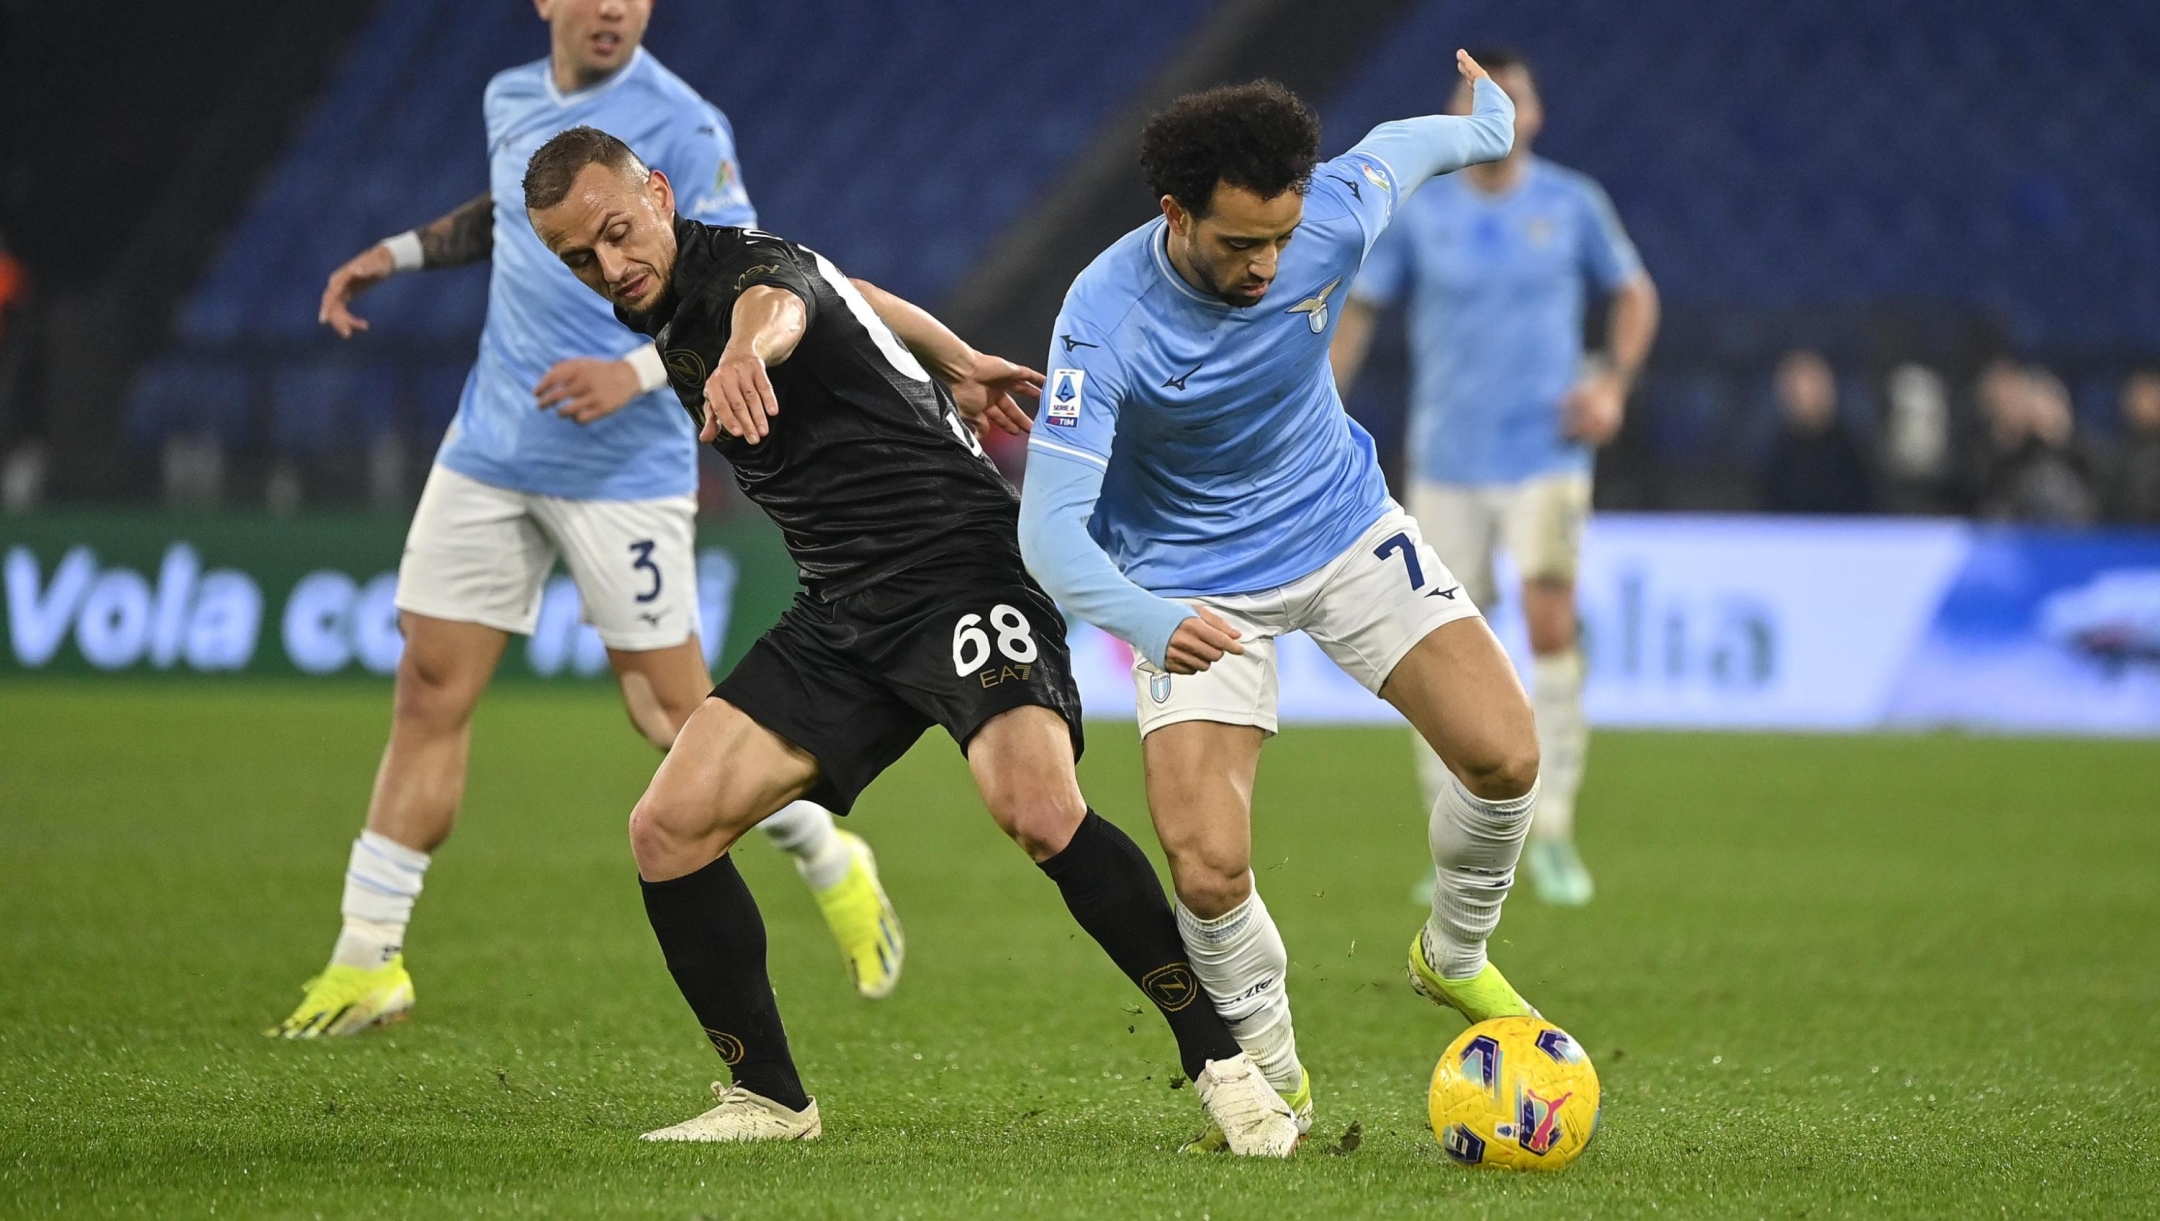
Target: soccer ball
x,y
1514,1092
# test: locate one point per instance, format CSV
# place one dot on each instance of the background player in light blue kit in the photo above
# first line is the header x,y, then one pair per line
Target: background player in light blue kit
x,y
566,443
1195,488
1505,410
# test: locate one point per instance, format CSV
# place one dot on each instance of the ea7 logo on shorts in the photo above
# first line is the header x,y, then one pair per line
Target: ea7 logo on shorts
x,y
1171,987
1064,397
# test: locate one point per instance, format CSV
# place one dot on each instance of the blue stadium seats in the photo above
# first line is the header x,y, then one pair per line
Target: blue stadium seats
x,y
897,139
1988,158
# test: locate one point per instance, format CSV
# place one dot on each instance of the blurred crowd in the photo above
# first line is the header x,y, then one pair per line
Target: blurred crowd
x,y
2017,456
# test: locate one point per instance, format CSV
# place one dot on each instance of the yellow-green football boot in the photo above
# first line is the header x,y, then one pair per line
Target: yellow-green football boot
x,y
348,1000
1213,1141
1480,998
863,922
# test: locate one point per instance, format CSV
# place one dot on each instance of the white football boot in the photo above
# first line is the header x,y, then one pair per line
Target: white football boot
x,y
1253,1118
743,1116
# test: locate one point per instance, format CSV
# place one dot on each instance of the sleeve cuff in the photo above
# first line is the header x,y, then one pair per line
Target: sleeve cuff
x,y
405,252
651,371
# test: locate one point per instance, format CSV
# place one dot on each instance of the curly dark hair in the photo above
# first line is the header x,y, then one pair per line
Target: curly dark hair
x,y
1258,135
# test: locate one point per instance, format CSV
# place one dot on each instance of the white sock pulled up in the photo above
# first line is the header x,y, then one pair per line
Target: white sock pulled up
x,y
1475,844
1241,962
1556,682
382,881
807,832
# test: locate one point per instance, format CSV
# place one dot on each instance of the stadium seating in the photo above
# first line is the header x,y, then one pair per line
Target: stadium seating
x,y
858,135
1821,158
1789,176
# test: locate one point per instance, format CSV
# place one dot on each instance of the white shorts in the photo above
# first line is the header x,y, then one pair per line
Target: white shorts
x,y
1539,521
1366,609
478,553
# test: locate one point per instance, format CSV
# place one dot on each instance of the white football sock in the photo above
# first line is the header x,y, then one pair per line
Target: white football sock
x,y
1475,844
382,880
1563,740
1241,962
805,831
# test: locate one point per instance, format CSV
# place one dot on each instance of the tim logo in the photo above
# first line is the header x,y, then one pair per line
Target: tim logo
x,y
685,367
729,1047
1171,987
1537,1121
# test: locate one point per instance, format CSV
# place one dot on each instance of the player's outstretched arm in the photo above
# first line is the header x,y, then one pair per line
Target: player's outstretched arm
x,y
466,234
1055,504
985,388
768,323
1417,149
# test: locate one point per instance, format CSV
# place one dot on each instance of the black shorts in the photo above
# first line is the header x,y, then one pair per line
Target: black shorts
x,y
855,681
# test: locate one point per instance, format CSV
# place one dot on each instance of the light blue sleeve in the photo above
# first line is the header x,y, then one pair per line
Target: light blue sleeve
x,y
1608,257
1068,453
700,160
1055,504
1416,149
1387,269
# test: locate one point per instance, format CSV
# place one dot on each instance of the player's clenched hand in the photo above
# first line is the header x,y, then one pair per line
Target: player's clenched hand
x,y
1592,411
1469,67
1200,642
739,397
360,273
988,396
584,389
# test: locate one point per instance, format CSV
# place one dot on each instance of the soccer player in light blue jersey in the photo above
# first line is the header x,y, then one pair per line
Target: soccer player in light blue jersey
x,y
566,443
1195,488
1498,264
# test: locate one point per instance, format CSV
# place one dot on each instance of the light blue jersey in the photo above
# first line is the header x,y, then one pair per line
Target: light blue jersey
x,y
1497,287
1203,445
538,313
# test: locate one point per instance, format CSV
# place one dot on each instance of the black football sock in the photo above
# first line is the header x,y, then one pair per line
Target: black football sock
x,y
1112,891
714,939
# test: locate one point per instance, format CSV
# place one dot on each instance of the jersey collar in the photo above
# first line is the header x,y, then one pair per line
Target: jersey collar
x,y
1158,241
589,92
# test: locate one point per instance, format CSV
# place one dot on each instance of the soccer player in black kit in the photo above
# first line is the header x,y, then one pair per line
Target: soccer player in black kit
x,y
916,612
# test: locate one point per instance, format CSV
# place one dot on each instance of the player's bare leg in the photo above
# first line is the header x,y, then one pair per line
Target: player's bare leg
x,y
1458,690
1023,764
445,667
1556,684
661,688
1200,783
725,774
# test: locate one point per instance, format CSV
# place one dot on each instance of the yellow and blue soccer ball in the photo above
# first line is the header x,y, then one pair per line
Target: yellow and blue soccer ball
x,y
1514,1092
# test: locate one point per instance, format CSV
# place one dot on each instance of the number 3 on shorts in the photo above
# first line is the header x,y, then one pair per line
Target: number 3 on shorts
x,y
971,645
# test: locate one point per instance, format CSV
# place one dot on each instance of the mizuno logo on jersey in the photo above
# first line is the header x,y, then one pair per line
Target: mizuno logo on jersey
x,y
1064,397
1071,343
1178,382
1315,307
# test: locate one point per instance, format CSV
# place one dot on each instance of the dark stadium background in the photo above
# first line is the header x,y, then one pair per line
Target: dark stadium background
x,y
1933,182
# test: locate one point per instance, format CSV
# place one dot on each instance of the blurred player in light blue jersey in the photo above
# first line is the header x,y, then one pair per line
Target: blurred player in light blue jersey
x,y
1505,410
567,443
1195,488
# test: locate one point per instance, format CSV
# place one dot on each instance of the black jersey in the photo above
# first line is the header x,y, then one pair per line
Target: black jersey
x,y
868,469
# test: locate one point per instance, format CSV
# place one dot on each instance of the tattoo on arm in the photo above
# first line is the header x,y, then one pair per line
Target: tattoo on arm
x,y
465,235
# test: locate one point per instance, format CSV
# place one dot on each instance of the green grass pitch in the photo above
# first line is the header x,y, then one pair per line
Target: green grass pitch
x,y
1913,976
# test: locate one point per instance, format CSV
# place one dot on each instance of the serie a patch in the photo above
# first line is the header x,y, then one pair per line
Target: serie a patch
x,y
1066,386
